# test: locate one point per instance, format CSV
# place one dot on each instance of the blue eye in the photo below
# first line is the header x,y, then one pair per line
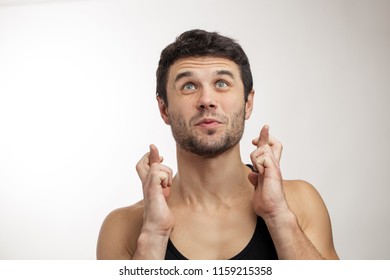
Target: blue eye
x,y
189,86
221,84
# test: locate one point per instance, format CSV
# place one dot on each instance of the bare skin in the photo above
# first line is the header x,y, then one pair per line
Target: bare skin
x,y
209,208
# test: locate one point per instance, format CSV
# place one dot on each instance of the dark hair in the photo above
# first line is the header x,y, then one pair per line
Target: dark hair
x,y
197,43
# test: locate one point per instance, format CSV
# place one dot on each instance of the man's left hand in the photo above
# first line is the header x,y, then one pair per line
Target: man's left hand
x,y
268,200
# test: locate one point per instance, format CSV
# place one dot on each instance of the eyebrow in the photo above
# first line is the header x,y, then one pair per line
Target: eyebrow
x,y
225,72
183,75
189,74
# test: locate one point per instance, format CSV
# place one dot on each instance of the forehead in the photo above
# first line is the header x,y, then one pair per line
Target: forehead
x,y
204,63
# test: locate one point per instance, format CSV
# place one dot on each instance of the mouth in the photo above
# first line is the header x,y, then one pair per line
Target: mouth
x,y
208,123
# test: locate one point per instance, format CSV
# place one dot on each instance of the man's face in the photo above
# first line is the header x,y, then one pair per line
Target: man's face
x,y
206,105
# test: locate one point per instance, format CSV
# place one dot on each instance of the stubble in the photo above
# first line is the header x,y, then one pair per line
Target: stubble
x,y
206,143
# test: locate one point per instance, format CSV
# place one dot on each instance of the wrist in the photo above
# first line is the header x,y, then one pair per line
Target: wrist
x,y
289,239
152,245
284,219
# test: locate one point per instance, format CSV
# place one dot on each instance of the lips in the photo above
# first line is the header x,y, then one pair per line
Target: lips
x,y
208,122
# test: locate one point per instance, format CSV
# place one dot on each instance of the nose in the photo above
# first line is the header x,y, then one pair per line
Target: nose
x,y
207,99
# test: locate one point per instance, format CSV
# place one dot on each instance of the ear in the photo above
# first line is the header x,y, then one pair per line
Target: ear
x,y
249,104
163,110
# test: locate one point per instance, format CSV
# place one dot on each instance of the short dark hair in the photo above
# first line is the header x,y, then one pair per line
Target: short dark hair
x,y
198,43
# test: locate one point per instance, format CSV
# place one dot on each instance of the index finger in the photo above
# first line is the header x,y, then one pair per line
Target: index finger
x,y
276,146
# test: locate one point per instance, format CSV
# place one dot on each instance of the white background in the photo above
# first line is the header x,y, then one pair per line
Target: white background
x,y
78,110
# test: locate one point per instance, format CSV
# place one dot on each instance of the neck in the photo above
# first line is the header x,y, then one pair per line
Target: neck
x,y
220,179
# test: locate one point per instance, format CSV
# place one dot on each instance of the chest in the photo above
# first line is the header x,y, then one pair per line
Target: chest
x,y
212,236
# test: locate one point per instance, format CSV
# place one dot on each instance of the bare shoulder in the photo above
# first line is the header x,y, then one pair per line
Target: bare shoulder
x,y
119,232
312,215
303,199
297,189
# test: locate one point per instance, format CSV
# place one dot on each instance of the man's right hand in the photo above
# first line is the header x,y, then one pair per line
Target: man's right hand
x,y
156,182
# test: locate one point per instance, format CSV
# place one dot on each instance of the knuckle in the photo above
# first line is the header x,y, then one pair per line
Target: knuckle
x,y
253,155
140,168
155,166
154,173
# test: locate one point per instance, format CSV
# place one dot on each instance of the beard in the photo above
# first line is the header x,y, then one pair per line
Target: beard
x,y
207,144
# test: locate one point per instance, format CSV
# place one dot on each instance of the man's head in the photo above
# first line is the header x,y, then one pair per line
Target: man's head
x,y
207,80
198,43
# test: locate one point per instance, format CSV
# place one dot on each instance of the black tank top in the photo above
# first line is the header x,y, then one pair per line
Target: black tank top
x,y
260,247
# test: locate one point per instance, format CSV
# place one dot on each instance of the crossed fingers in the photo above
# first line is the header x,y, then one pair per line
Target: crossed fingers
x,y
268,152
276,146
151,171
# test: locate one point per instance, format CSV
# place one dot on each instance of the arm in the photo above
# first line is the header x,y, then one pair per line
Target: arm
x,y
312,216
157,218
119,232
141,231
290,239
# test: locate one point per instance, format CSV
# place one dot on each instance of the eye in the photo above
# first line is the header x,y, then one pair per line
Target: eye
x,y
189,86
221,84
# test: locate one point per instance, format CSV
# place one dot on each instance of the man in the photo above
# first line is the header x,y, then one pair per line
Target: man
x,y
215,207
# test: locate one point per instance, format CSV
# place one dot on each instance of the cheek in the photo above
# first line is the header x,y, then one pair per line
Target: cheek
x,y
184,109
234,105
